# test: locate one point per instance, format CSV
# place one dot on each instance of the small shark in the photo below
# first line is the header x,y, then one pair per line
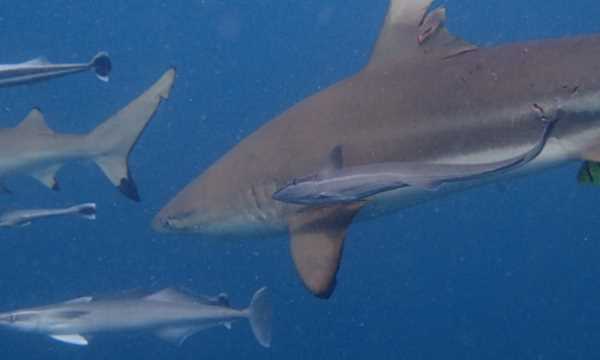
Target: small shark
x,y
336,184
26,217
425,96
33,149
171,315
40,69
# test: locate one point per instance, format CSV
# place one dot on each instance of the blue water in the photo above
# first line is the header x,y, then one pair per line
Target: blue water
x,y
500,272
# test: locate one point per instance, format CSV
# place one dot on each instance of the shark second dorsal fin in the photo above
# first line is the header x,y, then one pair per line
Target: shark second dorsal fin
x,y
317,240
35,123
410,32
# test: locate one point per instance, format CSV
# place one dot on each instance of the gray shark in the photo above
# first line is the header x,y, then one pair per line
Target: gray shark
x,y
337,184
171,315
40,69
33,149
26,217
425,96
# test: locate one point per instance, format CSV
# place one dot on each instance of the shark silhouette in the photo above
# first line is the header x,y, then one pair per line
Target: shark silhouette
x,y
425,96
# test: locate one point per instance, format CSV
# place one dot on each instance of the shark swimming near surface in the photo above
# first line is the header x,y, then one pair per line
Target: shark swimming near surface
x,y
25,217
425,96
336,184
171,315
32,148
40,69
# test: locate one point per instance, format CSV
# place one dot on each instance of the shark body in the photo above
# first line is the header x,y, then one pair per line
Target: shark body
x,y
426,96
171,315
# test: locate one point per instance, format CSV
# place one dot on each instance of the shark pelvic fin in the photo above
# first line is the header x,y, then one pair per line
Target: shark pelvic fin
x,y
317,241
411,32
48,177
35,123
74,339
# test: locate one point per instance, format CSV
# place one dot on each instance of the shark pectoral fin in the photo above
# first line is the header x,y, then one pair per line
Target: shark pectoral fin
x,y
34,123
410,32
178,335
589,173
317,240
48,177
74,339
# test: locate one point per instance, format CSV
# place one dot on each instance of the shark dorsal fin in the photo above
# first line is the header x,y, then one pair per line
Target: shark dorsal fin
x,y
317,240
37,61
170,295
80,300
410,32
34,122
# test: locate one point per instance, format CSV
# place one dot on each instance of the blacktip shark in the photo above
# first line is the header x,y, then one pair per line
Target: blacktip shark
x,y
33,149
171,315
25,217
425,96
40,69
336,184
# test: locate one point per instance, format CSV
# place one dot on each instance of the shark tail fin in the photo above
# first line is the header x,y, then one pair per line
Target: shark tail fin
x,y
111,143
102,65
86,211
260,313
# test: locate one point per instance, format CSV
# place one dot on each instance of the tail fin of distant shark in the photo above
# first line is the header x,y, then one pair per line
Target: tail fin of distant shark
x,y
102,65
260,313
112,141
86,211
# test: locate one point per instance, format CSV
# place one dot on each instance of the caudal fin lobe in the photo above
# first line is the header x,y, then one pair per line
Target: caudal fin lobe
x,y
86,211
111,143
260,315
102,65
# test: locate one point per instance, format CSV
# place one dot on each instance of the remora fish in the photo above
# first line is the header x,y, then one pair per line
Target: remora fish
x,y
25,217
40,69
425,96
173,316
337,184
33,149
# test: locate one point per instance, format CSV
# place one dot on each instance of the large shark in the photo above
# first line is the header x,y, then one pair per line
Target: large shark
x,y
425,96
172,315
33,149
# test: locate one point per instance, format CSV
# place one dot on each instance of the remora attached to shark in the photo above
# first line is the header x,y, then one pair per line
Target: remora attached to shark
x,y
172,315
40,69
33,149
426,96
336,184
27,216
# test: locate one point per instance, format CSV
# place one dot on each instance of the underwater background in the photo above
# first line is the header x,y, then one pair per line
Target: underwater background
x,y
506,271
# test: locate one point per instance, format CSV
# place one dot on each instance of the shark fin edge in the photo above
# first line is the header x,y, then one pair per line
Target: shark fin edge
x,y
48,177
411,31
317,240
34,122
73,339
